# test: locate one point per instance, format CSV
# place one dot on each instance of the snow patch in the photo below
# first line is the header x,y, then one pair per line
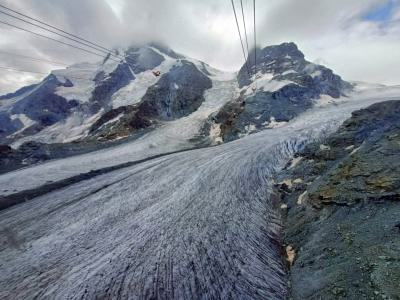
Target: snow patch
x,y
266,83
316,73
295,161
249,129
114,120
324,147
273,123
289,72
324,100
302,198
215,133
25,120
136,89
76,126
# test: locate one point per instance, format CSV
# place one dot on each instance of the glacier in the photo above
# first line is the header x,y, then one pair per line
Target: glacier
x,y
195,224
178,212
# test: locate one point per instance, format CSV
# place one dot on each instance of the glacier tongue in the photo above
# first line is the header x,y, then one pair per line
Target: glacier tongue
x,y
176,135
193,224
150,230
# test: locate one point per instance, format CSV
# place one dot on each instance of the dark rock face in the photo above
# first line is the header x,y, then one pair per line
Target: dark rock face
x,y
7,125
120,122
28,153
143,59
305,82
19,92
177,94
341,206
41,105
106,87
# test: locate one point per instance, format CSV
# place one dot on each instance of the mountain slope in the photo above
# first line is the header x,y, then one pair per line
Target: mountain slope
x,y
284,85
87,107
341,208
111,100
66,104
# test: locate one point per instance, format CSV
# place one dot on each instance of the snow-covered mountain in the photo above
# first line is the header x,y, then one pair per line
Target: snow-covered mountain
x,y
92,105
85,98
142,218
284,85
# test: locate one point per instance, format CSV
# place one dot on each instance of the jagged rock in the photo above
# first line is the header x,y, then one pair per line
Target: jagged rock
x,y
177,93
285,86
346,223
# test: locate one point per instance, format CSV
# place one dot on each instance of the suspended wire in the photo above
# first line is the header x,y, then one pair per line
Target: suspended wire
x,y
240,36
245,30
49,30
34,58
55,40
75,38
52,31
42,73
255,39
51,26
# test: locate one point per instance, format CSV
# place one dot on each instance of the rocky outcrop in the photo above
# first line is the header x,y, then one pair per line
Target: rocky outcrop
x,y
340,202
39,103
177,93
107,85
284,86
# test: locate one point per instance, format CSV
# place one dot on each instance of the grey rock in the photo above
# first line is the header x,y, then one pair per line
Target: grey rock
x,y
284,62
343,232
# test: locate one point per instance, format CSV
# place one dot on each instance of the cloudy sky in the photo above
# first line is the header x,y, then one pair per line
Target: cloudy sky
x,y
358,39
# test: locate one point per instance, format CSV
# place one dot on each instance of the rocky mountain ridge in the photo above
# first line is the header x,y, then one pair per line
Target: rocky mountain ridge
x,y
90,106
285,84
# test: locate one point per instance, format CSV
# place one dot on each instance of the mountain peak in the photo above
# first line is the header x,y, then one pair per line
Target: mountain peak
x,y
282,54
286,63
282,50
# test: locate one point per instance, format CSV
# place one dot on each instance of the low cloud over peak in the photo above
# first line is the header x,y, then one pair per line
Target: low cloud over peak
x,y
358,39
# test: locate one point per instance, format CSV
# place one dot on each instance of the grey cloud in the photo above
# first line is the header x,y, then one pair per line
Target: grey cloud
x,y
324,29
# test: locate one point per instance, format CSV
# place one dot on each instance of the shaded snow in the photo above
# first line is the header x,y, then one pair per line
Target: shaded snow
x,y
75,126
24,119
7,104
248,129
266,83
81,75
289,72
273,123
137,88
215,133
324,100
316,73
